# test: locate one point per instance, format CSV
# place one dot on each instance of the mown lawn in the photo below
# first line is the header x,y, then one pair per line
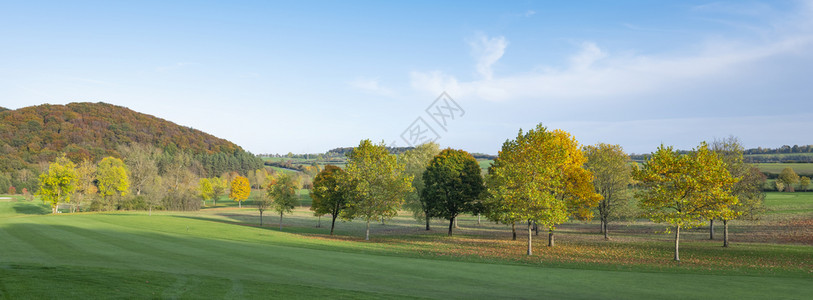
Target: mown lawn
x,y
214,254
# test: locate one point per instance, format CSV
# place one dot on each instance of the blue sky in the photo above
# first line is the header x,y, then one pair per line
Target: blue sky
x,y
310,76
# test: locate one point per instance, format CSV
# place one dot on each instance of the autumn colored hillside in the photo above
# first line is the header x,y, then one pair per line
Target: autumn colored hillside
x,y
91,131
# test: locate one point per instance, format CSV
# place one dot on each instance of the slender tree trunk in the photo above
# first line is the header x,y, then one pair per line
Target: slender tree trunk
x,y
455,223
530,236
333,223
606,229
55,207
261,219
151,210
601,220
711,229
319,222
725,233
214,201
677,243
514,231
536,228
240,204
427,221
550,238
367,237
451,225
478,219
280,220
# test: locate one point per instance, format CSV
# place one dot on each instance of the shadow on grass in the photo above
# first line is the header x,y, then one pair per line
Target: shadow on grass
x,y
31,208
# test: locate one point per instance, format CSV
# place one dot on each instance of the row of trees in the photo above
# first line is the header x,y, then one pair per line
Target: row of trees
x,y
543,178
145,178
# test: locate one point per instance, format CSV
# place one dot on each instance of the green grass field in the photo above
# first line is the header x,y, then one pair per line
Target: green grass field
x,y
214,254
790,203
799,168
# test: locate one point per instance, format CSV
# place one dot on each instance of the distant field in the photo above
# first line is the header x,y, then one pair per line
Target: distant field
x,y
779,156
799,168
485,163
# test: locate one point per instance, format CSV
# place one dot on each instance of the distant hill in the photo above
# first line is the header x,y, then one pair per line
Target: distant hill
x,y
40,133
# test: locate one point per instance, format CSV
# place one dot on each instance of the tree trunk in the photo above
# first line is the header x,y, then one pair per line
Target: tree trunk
x,y
333,223
711,229
214,201
725,233
550,238
239,204
150,210
455,223
280,220
677,243
536,228
530,250
451,225
427,221
319,222
514,231
367,238
601,220
478,219
606,228
261,218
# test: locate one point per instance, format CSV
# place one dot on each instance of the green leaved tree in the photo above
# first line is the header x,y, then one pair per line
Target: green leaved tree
x,y
112,179
205,190
748,189
416,160
788,177
219,188
57,184
330,193
379,183
452,183
610,166
283,193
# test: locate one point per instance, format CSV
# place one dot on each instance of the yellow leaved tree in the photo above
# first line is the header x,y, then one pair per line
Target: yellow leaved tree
x,y
539,178
240,189
684,190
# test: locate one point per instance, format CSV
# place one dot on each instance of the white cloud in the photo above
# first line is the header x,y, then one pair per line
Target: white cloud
x,y
371,86
593,74
486,52
529,13
589,54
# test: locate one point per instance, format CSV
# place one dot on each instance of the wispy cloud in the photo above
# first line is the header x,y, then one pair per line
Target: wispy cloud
x,y
594,73
486,52
371,86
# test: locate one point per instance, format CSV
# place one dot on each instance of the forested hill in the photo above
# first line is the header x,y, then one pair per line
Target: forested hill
x,y
91,131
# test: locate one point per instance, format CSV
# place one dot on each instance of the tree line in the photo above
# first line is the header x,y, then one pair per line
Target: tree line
x,y
145,178
540,179
543,178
